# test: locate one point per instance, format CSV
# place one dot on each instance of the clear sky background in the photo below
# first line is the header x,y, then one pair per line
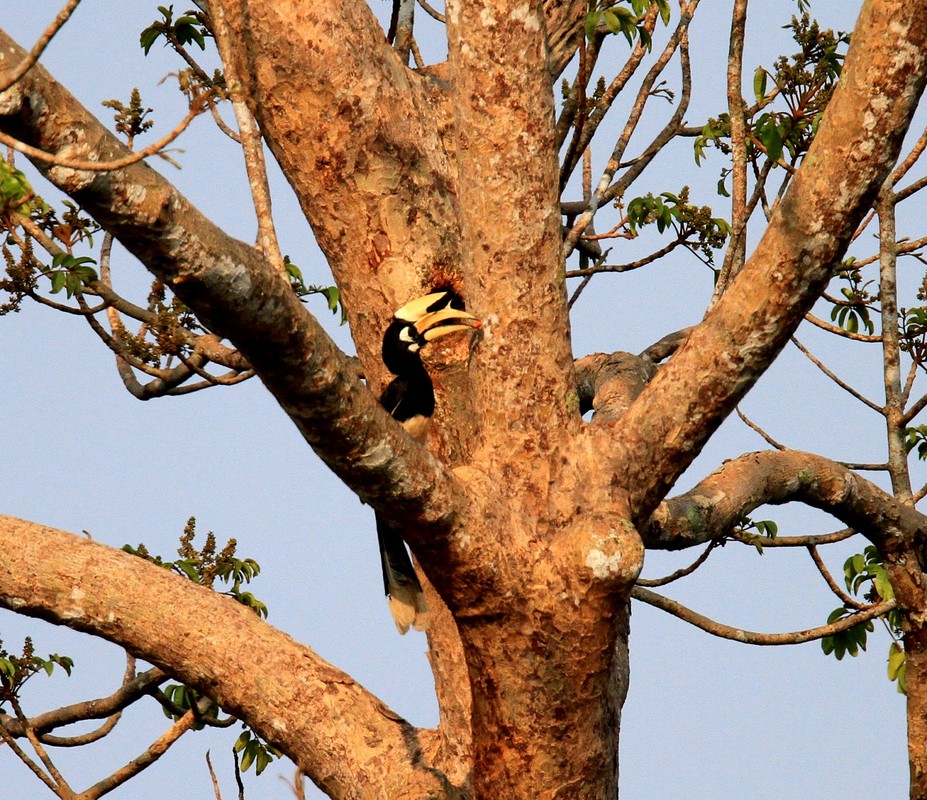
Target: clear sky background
x,y
705,718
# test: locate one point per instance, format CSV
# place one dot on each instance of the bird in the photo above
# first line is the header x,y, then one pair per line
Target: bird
x,y
410,400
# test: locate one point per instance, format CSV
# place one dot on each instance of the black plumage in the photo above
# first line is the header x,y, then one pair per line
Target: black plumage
x,y
410,399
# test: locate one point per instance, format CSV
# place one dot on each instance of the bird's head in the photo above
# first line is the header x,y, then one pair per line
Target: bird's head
x,y
420,321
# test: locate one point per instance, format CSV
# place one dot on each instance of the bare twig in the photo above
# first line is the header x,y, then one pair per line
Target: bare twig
x,y
157,749
679,573
750,637
251,143
841,383
39,47
753,426
105,166
431,11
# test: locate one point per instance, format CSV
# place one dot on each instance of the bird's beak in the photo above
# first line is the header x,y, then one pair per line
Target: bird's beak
x,y
433,324
448,320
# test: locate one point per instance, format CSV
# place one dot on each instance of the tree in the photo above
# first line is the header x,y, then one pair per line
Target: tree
x,y
528,523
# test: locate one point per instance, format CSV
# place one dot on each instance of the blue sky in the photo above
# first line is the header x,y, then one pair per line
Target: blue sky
x,y
705,718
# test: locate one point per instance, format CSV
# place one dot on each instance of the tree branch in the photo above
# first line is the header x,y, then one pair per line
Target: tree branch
x,y
237,292
714,507
857,144
749,637
273,683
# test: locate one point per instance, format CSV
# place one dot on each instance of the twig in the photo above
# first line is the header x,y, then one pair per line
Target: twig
x,y
753,426
826,326
157,749
41,43
841,383
251,143
679,573
829,580
105,166
750,637
814,539
215,780
430,11
595,202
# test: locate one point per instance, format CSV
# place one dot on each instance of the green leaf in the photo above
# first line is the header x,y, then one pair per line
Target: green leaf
x,y
759,84
149,36
592,22
772,141
247,757
612,22
664,7
896,661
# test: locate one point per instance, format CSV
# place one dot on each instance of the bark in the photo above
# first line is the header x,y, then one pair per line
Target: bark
x,y
856,146
524,520
339,734
717,504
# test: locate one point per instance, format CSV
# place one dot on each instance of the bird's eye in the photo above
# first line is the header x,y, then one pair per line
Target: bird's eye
x,y
405,335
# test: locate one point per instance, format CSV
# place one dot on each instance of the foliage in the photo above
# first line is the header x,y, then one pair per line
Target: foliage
x,y
853,310
190,28
624,16
669,211
331,293
205,565
15,670
865,572
803,83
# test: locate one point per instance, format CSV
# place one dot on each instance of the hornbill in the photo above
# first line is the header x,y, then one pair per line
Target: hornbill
x,y
410,400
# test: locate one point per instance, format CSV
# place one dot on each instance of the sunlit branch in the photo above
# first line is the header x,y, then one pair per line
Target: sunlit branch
x,y
23,756
716,506
909,161
808,540
157,749
749,637
737,245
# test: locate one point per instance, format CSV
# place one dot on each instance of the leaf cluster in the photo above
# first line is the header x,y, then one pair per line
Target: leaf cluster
x,y
206,565
694,225
853,311
254,750
331,294
864,574
189,28
15,670
803,83
626,17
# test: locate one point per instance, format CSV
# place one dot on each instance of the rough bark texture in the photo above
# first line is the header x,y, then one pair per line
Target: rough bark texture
x,y
524,519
